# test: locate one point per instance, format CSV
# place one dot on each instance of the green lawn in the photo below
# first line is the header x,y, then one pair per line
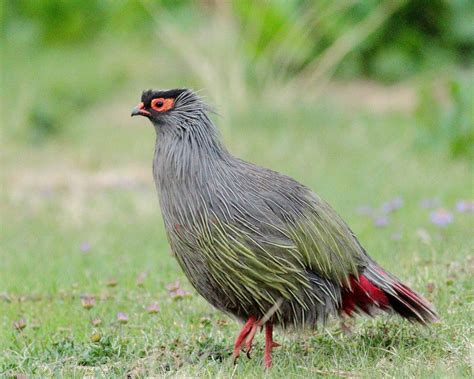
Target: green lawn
x,y
80,218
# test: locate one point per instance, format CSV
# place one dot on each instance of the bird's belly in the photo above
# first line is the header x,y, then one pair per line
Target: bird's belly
x,y
199,272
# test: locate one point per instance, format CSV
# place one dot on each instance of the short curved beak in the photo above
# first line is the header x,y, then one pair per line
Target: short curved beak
x,y
139,110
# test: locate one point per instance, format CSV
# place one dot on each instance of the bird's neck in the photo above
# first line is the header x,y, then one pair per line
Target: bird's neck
x,y
184,162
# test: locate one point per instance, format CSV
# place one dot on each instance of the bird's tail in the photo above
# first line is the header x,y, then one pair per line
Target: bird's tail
x,y
377,289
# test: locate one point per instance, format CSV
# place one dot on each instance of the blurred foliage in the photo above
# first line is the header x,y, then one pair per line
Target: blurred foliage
x,y
63,56
52,22
419,35
445,117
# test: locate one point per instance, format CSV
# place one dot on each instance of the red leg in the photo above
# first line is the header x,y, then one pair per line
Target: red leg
x,y
249,340
244,332
269,345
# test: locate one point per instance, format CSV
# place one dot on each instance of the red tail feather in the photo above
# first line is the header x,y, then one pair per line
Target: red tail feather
x,y
363,296
376,289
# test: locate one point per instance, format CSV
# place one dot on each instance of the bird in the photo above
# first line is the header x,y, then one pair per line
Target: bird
x,y
255,243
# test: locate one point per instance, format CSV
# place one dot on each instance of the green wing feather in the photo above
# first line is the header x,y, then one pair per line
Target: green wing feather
x,y
263,271
266,257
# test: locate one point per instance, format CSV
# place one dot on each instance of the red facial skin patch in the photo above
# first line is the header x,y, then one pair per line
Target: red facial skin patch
x,y
161,104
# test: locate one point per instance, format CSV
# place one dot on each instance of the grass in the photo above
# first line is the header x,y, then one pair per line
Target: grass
x,y
80,220
84,187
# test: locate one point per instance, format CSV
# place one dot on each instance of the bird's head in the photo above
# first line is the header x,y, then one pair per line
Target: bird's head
x,y
177,113
174,106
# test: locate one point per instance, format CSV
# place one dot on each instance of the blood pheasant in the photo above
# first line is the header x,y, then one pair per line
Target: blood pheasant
x,y
254,243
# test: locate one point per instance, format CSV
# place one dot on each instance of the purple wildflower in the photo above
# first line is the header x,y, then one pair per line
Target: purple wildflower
x,y
441,217
392,205
96,321
87,301
153,308
122,318
175,291
381,221
173,286
85,247
179,294
465,206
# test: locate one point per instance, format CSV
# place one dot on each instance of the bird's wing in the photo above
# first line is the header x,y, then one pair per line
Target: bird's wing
x,y
320,239
268,237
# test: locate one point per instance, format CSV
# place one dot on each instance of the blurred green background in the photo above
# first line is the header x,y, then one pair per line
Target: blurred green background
x,y
369,103
78,54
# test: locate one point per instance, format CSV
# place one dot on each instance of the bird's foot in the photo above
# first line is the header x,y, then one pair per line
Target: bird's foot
x,y
249,339
245,336
269,345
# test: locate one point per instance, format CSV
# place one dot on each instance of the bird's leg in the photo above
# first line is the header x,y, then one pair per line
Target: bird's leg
x,y
269,345
249,339
244,332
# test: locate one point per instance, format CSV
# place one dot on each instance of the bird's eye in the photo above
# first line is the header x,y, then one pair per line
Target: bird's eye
x,y
161,105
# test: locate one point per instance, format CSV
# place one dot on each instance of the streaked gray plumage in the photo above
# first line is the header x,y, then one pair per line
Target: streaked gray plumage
x,y
253,242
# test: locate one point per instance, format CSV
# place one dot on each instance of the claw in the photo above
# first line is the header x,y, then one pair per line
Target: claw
x,y
247,334
249,339
244,335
